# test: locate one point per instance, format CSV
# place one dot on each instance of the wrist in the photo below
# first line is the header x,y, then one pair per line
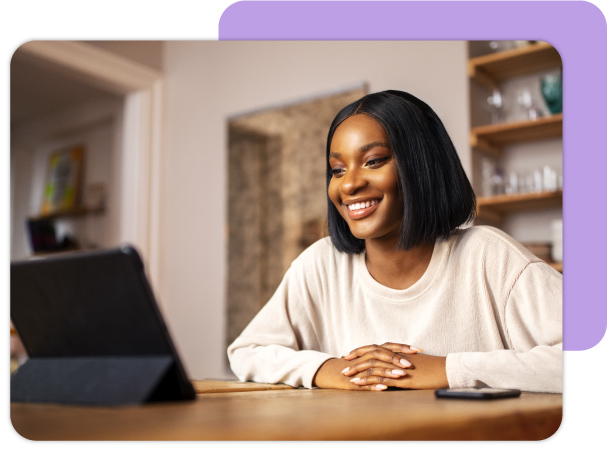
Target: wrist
x,y
444,377
329,374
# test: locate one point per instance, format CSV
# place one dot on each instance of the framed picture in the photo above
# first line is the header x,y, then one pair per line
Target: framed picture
x,y
63,180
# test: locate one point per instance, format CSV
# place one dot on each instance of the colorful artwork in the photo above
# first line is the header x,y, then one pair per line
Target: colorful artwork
x,y
62,185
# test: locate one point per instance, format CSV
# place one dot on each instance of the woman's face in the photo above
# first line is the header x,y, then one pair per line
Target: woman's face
x,y
364,186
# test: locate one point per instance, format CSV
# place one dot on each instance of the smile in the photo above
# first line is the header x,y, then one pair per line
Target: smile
x,y
362,205
362,209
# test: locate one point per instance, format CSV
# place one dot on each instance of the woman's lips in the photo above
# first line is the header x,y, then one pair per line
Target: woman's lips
x,y
362,212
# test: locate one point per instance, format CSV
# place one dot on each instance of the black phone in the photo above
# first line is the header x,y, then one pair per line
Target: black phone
x,y
482,393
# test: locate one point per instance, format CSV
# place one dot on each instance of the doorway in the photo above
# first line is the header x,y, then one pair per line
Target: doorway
x,y
277,198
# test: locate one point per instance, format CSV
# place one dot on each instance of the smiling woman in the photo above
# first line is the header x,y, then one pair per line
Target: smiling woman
x,y
401,267
436,196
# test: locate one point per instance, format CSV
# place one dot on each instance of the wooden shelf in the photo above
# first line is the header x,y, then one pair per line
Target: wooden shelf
x,y
491,138
494,208
557,266
74,212
494,68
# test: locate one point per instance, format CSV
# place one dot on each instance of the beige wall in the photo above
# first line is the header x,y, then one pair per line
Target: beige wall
x,y
207,82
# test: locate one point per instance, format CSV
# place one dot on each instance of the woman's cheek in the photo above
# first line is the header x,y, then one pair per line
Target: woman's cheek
x,y
333,194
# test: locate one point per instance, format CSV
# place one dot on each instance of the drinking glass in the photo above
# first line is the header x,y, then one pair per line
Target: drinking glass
x,y
552,92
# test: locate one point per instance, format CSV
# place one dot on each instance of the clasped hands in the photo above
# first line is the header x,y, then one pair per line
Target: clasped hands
x,y
377,367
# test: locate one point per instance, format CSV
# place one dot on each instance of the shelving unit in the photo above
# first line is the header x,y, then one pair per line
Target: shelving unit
x,y
494,68
492,138
490,71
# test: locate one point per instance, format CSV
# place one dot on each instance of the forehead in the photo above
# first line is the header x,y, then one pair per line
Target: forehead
x,y
358,130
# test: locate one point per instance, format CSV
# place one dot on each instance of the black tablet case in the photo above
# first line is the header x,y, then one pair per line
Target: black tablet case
x,y
93,332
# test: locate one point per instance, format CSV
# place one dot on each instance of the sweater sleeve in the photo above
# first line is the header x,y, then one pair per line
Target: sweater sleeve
x,y
270,349
533,325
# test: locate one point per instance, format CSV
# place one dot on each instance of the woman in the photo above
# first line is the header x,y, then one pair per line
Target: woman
x,y
399,268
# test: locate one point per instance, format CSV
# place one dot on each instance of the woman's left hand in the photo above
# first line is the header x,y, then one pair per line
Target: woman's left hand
x,y
426,371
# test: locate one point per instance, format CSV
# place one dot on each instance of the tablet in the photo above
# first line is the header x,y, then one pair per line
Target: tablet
x,y
93,331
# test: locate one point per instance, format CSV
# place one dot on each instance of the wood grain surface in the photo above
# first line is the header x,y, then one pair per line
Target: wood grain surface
x,y
218,386
299,414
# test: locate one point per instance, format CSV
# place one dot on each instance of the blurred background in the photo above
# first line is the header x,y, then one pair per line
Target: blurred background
x,y
209,156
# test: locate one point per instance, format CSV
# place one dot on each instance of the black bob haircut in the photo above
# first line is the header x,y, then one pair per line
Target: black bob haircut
x,y
436,192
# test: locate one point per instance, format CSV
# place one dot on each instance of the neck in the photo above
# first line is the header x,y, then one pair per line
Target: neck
x,y
394,268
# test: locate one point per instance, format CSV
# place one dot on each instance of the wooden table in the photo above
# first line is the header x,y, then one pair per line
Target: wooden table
x,y
250,411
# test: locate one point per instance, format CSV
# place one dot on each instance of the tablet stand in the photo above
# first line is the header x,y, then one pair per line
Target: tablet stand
x,y
112,380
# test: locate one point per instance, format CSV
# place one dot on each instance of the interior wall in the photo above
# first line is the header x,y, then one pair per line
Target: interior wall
x,y
209,82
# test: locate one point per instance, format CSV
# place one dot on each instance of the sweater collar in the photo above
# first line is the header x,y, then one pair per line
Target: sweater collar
x,y
437,262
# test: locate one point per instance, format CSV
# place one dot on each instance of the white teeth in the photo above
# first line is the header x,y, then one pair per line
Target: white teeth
x,y
362,205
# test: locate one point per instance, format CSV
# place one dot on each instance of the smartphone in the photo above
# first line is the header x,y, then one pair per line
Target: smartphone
x,y
482,393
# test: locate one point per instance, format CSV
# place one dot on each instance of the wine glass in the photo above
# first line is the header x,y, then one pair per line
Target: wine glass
x,y
496,104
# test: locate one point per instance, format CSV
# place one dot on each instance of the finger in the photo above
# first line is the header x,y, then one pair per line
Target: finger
x,y
389,372
375,380
360,351
373,387
401,348
380,354
364,365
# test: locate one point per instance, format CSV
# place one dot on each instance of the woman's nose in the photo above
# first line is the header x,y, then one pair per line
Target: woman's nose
x,y
352,181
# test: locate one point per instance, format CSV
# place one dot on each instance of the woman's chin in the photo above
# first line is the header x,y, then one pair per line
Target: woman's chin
x,y
363,234
376,235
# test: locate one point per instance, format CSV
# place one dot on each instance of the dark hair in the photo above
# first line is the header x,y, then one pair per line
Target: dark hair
x,y
436,192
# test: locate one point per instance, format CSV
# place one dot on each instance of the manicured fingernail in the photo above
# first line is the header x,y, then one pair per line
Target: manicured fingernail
x,y
345,370
380,387
416,349
398,372
354,380
405,363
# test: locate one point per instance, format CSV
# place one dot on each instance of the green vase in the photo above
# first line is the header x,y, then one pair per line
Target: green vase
x,y
552,91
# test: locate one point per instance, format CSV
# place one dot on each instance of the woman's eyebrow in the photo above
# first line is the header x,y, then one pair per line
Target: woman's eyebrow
x,y
364,148
371,145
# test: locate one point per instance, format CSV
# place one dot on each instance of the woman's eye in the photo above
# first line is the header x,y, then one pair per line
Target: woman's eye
x,y
337,172
377,161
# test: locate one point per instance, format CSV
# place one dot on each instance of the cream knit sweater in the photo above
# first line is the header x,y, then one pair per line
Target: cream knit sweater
x,y
488,304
